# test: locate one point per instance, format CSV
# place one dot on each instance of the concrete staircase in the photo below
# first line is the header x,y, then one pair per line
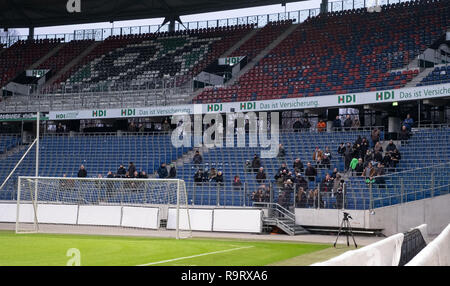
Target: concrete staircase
x,y
419,77
263,53
72,63
47,56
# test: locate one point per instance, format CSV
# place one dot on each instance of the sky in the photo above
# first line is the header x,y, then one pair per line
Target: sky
x,y
261,10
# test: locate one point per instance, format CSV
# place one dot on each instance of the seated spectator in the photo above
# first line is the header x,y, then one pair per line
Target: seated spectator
x,y
283,168
378,147
391,146
321,126
327,153
237,183
395,158
317,156
281,156
408,122
368,157
198,159
310,172
387,160
261,176
121,171
248,166
172,171
219,178
110,175
378,157
369,173
143,175
256,163
337,124
162,171
298,165
404,135
198,176
212,175
359,168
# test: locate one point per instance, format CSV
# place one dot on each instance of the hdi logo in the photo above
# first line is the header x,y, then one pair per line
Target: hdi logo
x,y
73,6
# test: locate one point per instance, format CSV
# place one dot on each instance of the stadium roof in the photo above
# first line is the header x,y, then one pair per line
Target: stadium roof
x,y
41,13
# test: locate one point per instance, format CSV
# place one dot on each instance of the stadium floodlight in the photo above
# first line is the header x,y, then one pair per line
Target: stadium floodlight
x,y
101,205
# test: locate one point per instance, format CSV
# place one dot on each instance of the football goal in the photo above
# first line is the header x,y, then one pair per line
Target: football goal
x,y
73,204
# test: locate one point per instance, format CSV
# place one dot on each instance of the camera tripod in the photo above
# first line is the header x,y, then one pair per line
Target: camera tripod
x,y
346,224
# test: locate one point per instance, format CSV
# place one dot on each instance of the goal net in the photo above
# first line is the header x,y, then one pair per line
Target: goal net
x,y
79,205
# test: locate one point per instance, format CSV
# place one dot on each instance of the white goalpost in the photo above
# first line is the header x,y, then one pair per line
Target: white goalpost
x,y
88,205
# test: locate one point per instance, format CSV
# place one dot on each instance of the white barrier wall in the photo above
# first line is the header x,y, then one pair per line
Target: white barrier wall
x,y
140,217
437,253
386,252
227,220
237,220
201,219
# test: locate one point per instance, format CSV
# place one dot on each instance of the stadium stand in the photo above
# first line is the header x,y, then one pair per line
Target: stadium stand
x,y
342,52
440,74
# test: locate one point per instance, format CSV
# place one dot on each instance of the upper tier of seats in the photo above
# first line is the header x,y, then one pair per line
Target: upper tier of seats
x,y
439,75
344,52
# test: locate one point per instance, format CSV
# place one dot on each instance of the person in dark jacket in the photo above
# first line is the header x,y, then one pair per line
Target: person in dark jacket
x,y
131,169
237,183
198,159
395,158
219,178
404,135
348,122
298,165
172,171
121,171
162,171
341,149
256,163
300,198
348,156
310,172
391,146
281,153
261,176
337,124
82,173
198,177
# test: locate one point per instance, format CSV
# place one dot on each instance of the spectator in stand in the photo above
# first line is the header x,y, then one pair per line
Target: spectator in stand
x,y
219,178
300,182
59,128
162,171
237,183
310,172
378,156
317,156
82,173
165,126
325,162
121,171
198,177
198,159
339,198
375,135
338,182
348,122
368,157
256,163
135,175
261,176
390,147
281,176
327,153
298,165
379,176
335,173
321,126
359,168
131,168
172,171
317,199
395,158
212,175
369,173
110,175
283,168
408,122
286,193
337,124
364,147
300,198
281,153
348,156
132,127
356,124
404,135
248,166
387,160
143,175
327,184
378,147
297,126
306,124
341,149
353,164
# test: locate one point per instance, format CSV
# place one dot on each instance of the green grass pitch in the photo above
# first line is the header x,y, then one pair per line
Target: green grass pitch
x,y
51,250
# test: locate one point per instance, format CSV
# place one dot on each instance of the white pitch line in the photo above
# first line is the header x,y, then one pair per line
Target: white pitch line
x,y
193,256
